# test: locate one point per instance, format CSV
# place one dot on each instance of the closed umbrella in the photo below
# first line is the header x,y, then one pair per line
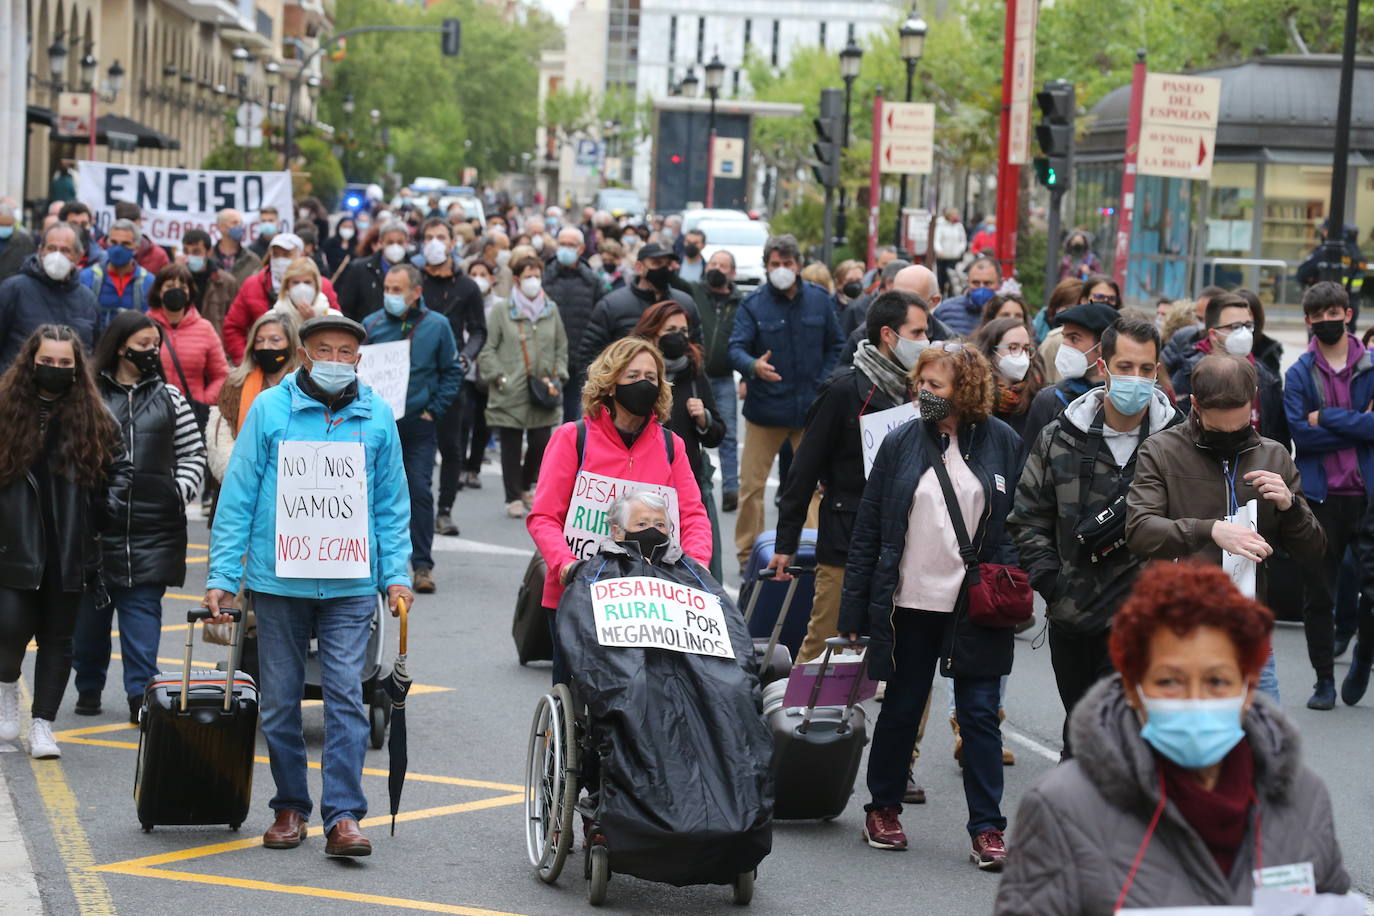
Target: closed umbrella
x,y
397,686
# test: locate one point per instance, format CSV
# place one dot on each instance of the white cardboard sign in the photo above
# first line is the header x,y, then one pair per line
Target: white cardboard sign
x,y
874,427
322,529
642,612
587,525
1241,570
385,368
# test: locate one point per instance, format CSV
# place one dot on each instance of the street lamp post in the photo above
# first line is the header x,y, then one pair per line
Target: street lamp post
x,y
57,63
313,87
912,35
715,77
243,64
270,71
687,88
850,58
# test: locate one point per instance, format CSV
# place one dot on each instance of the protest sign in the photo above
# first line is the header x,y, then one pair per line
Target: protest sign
x,y
874,427
586,524
385,368
322,530
642,612
175,201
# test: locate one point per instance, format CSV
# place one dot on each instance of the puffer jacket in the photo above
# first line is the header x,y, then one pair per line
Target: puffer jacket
x,y
993,452
199,352
246,514
802,336
616,315
31,298
1181,488
1079,829
253,300
576,289
19,246
1081,596
146,544
501,365
604,453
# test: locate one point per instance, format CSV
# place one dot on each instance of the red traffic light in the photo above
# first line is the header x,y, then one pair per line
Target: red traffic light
x,y
675,159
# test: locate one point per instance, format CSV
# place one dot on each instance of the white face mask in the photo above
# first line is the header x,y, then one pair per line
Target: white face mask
x,y
530,287
483,284
1240,342
908,351
1014,366
394,252
782,278
279,266
302,293
346,233
537,242
503,257
436,252
1071,363
57,265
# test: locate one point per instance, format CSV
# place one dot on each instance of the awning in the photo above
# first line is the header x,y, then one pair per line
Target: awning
x,y
122,129
40,115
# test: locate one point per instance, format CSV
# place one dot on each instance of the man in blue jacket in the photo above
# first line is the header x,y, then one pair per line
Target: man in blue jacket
x,y
436,376
962,314
312,520
119,282
786,341
1327,395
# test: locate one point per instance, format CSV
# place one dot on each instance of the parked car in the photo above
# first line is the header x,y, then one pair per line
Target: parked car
x,y
742,238
690,218
620,202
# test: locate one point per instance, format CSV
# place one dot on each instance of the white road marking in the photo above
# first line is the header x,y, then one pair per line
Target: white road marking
x,y
1030,744
467,545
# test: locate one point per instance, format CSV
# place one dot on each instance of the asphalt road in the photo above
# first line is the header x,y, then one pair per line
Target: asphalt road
x,y
460,846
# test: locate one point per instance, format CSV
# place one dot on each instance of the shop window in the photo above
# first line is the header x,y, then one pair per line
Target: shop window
x,y
1295,203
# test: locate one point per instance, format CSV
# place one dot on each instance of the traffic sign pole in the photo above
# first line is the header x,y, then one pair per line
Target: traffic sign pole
x,y
1008,175
875,178
711,170
1126,214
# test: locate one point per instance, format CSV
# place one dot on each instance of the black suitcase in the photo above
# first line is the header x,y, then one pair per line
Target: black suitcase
x,y
196,741
816,752
530,628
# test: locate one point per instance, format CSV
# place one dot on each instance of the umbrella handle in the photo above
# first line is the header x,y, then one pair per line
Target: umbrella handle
x,y
405,623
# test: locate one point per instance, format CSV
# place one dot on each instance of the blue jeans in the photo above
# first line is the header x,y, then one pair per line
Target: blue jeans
x,y
342,626
419,443
572,397
917,639
140,631
724,390
1269,678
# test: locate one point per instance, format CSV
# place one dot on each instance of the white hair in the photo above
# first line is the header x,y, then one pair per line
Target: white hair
x,y
7,210
128,224
619,513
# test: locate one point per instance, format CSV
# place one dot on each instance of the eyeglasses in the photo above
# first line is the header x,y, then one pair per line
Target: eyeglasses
x,y
1015,348
1236,326
1104,298
949,346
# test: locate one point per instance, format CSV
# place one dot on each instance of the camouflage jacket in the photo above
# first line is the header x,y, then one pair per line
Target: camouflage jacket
x,y
1081,595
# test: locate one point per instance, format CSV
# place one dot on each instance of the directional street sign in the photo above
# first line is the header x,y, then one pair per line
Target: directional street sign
x,y
1178,126
908,138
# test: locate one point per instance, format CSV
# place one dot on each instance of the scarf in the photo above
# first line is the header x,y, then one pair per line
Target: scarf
x,y
1220,817
530,308
674,366
885,373
1007,399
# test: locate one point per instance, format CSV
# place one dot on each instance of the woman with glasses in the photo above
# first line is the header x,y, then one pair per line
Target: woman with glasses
x,y
1017,370
1101,289
904,587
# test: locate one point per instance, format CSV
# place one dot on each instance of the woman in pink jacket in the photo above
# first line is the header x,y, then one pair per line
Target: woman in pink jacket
x,y
619,444
192,356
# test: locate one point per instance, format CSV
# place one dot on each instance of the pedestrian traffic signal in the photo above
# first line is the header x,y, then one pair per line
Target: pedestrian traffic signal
x,y
1054,133
453,34
829,145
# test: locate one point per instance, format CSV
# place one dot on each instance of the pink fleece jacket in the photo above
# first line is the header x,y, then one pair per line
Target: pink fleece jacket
x,y
607,455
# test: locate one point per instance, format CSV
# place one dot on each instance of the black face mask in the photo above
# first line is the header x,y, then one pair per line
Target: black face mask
x,y
145,361
692,251
1078,248
650,541
659,276
716,279
1227,442
637,397
853,289
174,300
54,379
271,360
673,346
1329,332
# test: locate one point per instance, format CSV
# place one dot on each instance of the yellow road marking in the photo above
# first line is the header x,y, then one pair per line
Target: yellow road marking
x,y
73,845
199,546
184,597
92,730
197,559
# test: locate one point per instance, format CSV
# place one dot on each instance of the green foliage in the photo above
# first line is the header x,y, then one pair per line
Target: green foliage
x,y
578,112
228,157
1032,247
319,172
479,109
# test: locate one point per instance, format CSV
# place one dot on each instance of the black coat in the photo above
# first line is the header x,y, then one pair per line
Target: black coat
x,y
457,298
360,286
687,384
717,323
1273,422
993,452
576,289
80,514
831,453
16,251
145,543
31,298
616,315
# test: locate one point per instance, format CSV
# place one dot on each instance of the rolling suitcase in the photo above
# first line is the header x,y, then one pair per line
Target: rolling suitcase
x,y
816,749
196,742
530,628
771,594
773,658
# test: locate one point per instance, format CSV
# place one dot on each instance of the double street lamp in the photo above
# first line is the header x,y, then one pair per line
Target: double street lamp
x,y
715,76
912,35
850,58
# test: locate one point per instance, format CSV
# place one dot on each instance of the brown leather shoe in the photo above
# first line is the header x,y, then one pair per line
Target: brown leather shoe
x,y
345,839
424,582
287,832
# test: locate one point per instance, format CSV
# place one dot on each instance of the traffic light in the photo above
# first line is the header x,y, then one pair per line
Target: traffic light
x,y
829,145
1054,133
453,34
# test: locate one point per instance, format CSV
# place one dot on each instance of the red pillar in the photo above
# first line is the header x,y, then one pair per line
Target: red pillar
x,y
1125,215
1008,175
875,180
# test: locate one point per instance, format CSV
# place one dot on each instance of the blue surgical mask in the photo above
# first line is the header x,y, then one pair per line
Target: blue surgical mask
x,y
236,233
118,255
566,256
6,231
195,263
267,230
981,295
332,377
1193,733
395,304
1130,393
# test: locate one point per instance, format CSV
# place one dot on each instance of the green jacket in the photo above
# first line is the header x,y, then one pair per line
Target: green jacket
x,y
717,321
501,365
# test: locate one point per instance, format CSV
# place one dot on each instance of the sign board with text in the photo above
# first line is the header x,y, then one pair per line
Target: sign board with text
x,y
908,138
727,161
74,114
874,427
1022,83
322,529
385,368
644,612
587,524
1178,126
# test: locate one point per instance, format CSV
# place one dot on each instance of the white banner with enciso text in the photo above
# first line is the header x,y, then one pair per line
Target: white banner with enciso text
x,y
641,612
587,523
175,201
322,511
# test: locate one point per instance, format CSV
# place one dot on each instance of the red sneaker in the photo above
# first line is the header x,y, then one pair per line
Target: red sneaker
x,y
882,829
989,850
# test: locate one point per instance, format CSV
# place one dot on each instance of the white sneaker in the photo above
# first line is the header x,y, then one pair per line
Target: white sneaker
x,y
515,509
9,711
42,745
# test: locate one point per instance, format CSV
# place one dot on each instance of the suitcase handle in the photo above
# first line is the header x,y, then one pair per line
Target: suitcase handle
x,y
204,614
831,644
796,572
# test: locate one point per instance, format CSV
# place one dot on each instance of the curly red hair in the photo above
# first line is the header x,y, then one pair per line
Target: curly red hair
x,y
1183,597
